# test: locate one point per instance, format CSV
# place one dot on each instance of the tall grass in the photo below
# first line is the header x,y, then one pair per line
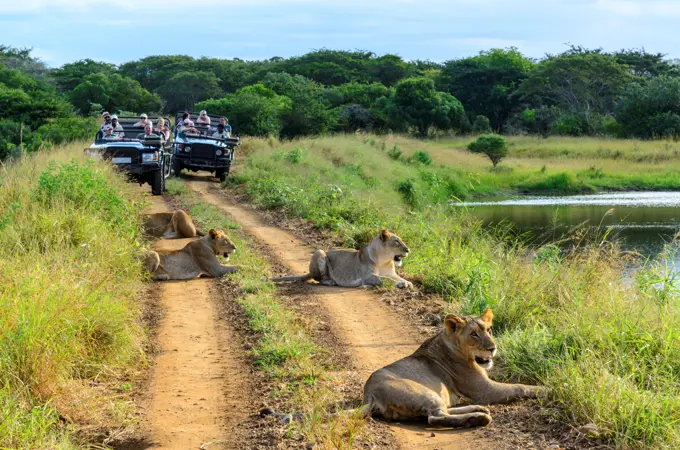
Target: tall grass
x,y
69,283
609,350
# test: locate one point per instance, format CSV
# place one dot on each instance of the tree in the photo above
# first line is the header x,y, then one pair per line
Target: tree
x,y
580,82
485,83
640,63
650,109
114,93
153,72
309,112
71,75
185,89
415,103
491,145
388,69
481,125
329,67
356,117
252,111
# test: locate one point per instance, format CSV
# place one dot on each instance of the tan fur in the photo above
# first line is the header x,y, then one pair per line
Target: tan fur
x,y
195,259
354,268
174,225
441,374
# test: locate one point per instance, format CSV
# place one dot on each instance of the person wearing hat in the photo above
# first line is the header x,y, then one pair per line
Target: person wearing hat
x,y
203,118
116,126
106,120
143,120
162,128
188,127
221,133
109,134
225,122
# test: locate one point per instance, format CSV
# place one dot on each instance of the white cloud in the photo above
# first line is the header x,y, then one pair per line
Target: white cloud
x,y
640,8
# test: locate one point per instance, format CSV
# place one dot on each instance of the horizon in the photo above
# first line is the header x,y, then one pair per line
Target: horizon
x,y
262,29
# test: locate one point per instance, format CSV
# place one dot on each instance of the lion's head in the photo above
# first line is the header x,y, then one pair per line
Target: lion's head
x,y
472,337
393,246
221,243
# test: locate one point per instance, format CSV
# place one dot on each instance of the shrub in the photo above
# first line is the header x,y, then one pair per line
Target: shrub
x,y
422,157
665,125
481,125
394,153
492,145
570,125
294,156
408,190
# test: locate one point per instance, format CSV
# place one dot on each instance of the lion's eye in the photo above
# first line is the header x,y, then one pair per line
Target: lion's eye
x,y
474,334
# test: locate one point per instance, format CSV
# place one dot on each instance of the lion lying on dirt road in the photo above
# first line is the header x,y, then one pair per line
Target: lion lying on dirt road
x,y
174,225
195,259
447,368
354,268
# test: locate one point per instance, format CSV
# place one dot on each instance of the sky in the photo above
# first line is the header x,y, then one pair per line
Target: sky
x,y
116,31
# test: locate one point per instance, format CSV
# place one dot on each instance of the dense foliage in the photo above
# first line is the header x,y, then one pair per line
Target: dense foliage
x,y
628,93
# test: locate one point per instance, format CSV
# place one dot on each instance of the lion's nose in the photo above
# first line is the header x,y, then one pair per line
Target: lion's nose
x,y
492,349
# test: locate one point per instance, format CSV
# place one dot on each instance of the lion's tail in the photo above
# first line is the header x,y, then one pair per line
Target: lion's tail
x,y
365,411
305,277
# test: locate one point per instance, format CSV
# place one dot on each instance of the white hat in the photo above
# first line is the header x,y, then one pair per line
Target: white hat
x,y
143,116
114,117
187,121
105,113
203,112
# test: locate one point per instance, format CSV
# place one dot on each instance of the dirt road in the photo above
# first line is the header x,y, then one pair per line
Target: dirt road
x,y
199,379
374,334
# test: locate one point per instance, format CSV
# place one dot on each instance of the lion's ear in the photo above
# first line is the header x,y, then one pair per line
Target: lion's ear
x,y
385,235
454,323
212,233
487,316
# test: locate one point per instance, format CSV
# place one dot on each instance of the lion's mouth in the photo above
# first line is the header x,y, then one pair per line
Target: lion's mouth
x,y
483,361
398,258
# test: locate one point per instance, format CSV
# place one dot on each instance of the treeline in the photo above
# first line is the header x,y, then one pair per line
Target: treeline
x,y
629,93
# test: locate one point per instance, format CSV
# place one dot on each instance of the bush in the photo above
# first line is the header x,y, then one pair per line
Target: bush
x,y
665,125
481,125
570,125
492,145
394,153
422,157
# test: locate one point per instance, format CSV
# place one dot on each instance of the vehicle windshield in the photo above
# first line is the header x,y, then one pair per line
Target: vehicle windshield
x,y
129,129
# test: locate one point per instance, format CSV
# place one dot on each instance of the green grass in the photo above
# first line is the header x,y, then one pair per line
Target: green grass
x,y
69,307
285,349
609,350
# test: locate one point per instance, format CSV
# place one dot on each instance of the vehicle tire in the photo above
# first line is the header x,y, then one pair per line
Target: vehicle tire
x,y
157,182
221,174
176,166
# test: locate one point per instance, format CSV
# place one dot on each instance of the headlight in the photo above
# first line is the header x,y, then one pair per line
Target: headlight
x,y
149,157
218,152
187,148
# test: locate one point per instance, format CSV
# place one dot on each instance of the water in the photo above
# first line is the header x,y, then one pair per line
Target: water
x,y
640,221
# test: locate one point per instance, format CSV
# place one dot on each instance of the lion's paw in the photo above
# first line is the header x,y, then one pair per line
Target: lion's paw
x,y
405,285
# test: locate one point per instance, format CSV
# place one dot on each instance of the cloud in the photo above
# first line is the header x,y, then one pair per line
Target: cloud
x,y
640,8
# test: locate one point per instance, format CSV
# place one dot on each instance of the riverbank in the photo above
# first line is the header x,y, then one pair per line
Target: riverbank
x,y
556,165
609,351
72,338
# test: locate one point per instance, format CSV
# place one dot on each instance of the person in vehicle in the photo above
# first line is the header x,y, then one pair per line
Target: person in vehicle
x,y
109,134
116,126
188,127
163,129
148,131
106,120
185,116
143,120
221,133
203,118
225,122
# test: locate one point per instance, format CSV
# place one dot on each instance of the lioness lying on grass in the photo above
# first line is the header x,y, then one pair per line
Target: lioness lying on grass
x,y
447,368
354,268
172,225
195,259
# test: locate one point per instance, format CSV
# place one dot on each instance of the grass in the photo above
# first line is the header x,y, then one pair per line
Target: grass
x,y
285,349
69,308
609,350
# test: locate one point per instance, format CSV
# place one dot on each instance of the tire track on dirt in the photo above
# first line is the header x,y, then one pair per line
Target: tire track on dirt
x,y
199,385
373,334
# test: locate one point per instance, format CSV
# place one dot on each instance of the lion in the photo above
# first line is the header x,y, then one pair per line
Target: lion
x,y
197,258
447,369
354,268
174,225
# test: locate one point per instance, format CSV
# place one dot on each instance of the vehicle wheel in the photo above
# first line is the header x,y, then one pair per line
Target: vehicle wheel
x,y
176,166
221,174
157,182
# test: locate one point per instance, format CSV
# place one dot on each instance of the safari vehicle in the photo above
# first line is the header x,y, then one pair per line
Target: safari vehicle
x,y
201,151
146,160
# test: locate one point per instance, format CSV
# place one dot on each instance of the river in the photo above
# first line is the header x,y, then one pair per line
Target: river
x,y
641,221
